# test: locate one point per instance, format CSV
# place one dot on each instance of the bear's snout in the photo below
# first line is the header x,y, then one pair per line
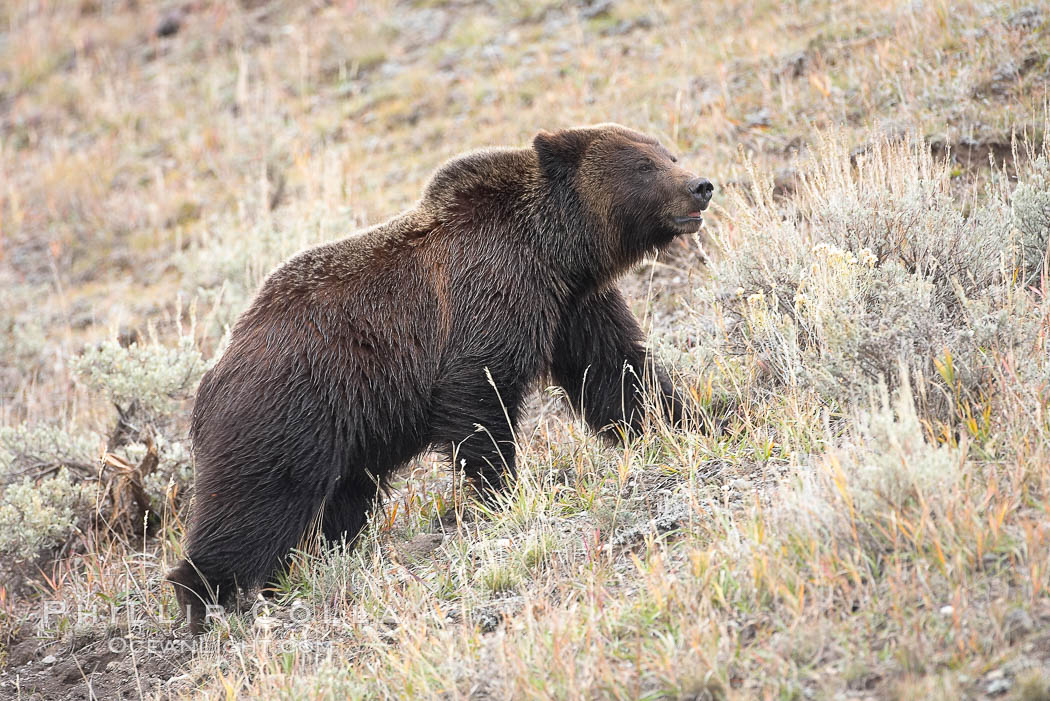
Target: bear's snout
x,y
701,189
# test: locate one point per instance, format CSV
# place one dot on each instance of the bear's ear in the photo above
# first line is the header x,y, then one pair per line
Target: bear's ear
x,y
560,152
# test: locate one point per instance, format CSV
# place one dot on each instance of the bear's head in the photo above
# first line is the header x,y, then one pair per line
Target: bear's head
x,y
633,194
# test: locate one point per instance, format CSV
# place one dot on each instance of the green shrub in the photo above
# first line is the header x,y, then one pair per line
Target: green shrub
x,y
883,471
872,263
1030,215
151,375
29,449
38,515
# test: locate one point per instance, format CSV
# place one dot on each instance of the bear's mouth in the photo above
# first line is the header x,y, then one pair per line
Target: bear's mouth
x,y
691,222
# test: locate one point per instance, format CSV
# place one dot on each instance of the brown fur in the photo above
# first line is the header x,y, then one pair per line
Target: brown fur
x,y
428,331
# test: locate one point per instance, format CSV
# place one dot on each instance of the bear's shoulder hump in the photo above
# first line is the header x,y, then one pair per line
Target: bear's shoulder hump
x,y
484,168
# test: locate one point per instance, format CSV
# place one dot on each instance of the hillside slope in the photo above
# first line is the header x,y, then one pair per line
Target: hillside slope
x,y
863,514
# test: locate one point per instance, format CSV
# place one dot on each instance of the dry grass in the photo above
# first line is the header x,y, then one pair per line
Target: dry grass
x,y
872,522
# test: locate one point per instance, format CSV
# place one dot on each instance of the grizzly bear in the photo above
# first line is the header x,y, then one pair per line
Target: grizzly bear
x,y
427,332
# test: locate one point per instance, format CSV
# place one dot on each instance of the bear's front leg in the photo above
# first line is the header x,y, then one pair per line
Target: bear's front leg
x,y
601,363
487,457
473,424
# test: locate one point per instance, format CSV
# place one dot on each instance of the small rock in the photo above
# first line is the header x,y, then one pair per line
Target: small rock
x,y
740,483
600,8
758,118
127,336
998,687
50,659
169,24
487,621
1006,75
998,683
794,65
785,182
989,561
626,26
421,545
265,623
947,610
1017,624
1027,18
492,53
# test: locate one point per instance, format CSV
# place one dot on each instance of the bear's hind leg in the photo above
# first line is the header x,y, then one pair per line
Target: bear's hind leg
x,y
238,535
194,594
348,507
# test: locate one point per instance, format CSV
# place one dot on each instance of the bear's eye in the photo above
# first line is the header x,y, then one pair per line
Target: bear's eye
x,y
646,167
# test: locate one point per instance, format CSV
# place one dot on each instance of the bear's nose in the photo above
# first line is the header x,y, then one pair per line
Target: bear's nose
x,y
701,189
